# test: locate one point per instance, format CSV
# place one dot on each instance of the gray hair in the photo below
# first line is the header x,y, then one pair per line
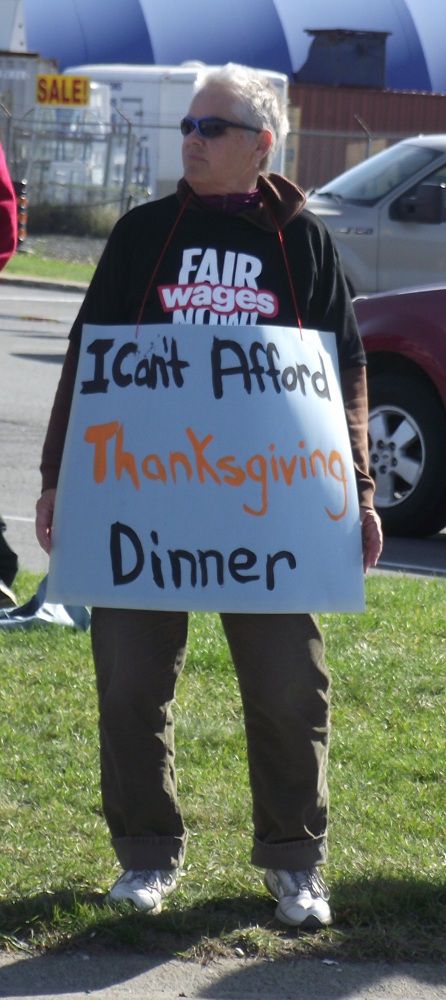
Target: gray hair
x,y
256,100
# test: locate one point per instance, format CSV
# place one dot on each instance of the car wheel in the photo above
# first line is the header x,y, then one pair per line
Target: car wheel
x,y
407,443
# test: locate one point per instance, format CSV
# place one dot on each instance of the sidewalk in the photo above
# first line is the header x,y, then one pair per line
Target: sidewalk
x,y
124,976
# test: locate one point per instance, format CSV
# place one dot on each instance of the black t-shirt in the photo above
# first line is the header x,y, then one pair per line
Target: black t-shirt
x,y
207,266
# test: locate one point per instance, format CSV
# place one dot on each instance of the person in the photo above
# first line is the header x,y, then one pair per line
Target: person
x,y
8,213
9,565
227,221
8,245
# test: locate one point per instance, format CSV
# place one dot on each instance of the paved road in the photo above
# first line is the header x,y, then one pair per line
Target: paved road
x,y
34,324
422,556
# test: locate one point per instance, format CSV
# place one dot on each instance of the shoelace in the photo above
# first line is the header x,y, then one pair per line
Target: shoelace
x,y
152,878
310,880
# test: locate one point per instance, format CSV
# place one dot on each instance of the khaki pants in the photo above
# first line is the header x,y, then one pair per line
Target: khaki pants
x,y
284,684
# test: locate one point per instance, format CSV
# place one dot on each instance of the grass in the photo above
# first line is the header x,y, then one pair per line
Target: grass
x,y
34,266
387,862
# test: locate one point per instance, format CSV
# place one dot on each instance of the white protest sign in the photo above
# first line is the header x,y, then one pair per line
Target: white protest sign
x,y
207,470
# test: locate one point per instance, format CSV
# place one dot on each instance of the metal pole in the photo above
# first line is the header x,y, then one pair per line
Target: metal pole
x,y
8,133
128,166
368,133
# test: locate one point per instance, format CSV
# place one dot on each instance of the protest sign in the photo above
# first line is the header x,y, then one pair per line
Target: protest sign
x,y
207,469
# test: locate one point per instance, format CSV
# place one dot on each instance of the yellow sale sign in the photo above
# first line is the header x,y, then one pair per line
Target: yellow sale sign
x,y
57,89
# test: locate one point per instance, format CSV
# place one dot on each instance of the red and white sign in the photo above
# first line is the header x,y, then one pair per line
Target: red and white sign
x,y
58,90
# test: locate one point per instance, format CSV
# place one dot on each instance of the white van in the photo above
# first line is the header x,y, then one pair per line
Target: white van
x,y
153,99
388,216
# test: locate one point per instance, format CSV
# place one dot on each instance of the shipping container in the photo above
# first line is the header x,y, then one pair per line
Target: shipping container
x,y
340,126
18,71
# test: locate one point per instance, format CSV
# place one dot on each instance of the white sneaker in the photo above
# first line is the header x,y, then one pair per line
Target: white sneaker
x,y
303,897
145,889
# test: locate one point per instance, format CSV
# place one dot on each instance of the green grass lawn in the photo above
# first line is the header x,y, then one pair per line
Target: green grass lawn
x,y
34,266
387,848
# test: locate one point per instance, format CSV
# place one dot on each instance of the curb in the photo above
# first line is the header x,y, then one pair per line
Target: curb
x,y
47,283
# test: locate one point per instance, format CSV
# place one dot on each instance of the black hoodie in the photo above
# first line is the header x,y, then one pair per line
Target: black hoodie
x,y
175,246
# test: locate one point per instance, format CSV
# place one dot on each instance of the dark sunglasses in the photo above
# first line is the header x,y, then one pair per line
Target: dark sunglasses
x,y
211,128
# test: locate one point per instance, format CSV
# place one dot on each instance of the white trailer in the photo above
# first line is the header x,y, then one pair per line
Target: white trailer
x,y
153,99
12,26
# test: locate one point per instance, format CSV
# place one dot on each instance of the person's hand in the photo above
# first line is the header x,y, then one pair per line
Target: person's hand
x,y
372,537
44,518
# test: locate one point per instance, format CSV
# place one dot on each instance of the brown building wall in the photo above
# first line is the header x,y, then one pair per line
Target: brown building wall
x,y
334,111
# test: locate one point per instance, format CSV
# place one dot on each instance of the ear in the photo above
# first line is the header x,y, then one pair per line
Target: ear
x,y
264,143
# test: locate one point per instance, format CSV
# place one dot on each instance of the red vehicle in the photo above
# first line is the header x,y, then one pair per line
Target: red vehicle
x,y
404,334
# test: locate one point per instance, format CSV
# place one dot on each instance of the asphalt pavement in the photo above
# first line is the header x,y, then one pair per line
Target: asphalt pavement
x,y
35,318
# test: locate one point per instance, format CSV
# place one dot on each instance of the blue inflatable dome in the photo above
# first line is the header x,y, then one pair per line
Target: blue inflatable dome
x,y
269,34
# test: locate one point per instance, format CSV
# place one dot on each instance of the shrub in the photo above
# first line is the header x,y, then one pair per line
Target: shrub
x,y
72,220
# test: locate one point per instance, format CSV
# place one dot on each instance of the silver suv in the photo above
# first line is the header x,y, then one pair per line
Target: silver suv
x,y
388,216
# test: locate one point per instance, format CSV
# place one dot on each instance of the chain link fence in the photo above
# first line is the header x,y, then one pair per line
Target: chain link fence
x,y
313,157
74,161
71,163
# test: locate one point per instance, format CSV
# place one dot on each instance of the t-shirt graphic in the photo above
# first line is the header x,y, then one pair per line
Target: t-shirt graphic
x,y
225,293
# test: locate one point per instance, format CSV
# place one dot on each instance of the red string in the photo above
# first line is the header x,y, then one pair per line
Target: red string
x,y
288,271
159,261
287,266
167,244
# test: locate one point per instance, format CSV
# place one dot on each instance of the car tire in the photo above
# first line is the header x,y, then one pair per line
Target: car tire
x,y
407,443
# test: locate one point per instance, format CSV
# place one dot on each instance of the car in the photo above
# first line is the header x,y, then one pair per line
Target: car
x,y
404,335
387,216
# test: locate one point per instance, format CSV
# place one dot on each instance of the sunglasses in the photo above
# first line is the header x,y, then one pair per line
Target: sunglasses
x,y
211,128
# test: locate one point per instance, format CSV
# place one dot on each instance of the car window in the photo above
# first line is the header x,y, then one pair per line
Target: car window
x,y
371,180
438,177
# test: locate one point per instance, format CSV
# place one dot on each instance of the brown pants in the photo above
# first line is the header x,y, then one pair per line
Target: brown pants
x,y
284,686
